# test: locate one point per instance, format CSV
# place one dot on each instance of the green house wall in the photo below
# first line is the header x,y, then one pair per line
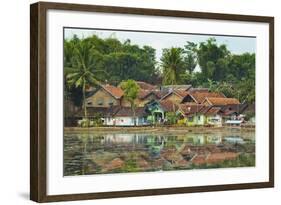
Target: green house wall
x,y
195,121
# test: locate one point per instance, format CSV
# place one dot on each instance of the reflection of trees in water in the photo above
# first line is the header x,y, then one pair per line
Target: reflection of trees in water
x,y
155,144
77,149
73,156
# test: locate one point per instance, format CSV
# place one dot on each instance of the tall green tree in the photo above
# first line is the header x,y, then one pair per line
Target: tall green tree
x,y
190,59
172,64
131,90
121,65
212,59
80,70
242,66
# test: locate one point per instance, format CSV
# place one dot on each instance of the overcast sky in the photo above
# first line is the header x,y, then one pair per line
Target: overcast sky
x,y
236,45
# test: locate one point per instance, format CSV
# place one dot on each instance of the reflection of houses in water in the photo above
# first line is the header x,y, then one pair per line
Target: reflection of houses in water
x,y
153,143
160,140
234,140
132,138
216,139
123,138
205,139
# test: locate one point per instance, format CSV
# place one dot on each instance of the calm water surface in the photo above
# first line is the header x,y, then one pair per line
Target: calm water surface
x,y
92,153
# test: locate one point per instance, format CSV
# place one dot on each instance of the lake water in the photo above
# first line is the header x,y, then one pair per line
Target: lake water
x,y
93,153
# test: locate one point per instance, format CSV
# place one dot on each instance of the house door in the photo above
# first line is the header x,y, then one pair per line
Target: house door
x,y
158,117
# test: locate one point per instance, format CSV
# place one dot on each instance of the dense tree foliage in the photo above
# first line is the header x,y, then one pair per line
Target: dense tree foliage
x,y
81,71
190,59
213,59
117,60
172,63
110,60
239,80
206,64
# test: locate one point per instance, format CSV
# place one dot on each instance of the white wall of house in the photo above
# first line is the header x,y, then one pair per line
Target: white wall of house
x,y
199,119
124,121
215,120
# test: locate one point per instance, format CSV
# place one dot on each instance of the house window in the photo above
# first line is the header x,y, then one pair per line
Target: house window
x,y
199,117
89,103
214,120
100,101
190,119
110,103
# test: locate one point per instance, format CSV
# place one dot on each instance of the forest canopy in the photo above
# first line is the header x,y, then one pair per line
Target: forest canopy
x,y
93,60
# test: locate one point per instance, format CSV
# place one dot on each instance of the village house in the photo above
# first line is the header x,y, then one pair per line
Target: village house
x,y
146,86
157,110
147,92
198,96
145,96
192,106
249,113
169,88
106,96
174,93
176,96
124,116
199,115
220,101
190,115
109,95
233,112
212,115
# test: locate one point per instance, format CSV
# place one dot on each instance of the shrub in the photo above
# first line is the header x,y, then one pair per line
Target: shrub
x,y
171,118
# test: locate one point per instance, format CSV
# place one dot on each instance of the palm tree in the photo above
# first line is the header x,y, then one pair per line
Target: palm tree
x,y
80,72
172,63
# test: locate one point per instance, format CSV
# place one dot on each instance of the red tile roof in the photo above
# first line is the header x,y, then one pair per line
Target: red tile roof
x,y
116,92
168,106
205,109
190,108
143,93
145,86
212,111
176,87
198,90
221,101
159,93
199,96
118,111
180,93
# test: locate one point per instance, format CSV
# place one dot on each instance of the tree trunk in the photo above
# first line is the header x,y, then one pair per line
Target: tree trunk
x,y
134,113
84,100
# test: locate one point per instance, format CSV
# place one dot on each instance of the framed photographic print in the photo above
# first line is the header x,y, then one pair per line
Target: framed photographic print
x,y
134,102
